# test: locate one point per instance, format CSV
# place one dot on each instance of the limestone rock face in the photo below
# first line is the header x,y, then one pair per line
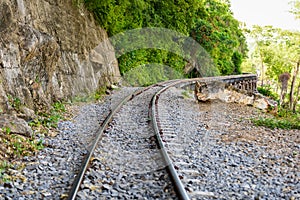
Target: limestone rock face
x,y
51,50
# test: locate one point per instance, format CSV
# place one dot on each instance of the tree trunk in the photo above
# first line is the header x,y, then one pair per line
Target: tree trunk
x,y
284,79
296,99
293,84
282,95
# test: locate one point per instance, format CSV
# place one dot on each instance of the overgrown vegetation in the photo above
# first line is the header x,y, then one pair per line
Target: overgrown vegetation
x,y
266,90
14,146
95,96
209,22
14,102
50,119
149,74
4,165
285,119
276,58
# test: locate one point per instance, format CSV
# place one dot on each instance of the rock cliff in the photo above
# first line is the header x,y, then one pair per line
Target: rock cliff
x,y
49,50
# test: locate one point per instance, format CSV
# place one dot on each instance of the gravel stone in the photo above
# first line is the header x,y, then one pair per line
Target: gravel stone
x,y
229,156
126,164
50,173
232,158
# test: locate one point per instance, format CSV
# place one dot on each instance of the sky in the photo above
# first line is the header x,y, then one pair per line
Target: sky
x,y
265,12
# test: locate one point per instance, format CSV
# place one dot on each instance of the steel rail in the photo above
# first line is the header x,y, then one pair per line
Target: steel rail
x,y
87,158
99,133
180,190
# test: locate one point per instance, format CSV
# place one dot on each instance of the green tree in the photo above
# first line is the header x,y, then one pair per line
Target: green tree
x,y
220,34
263,37
295,8
296,45
278,53
209,22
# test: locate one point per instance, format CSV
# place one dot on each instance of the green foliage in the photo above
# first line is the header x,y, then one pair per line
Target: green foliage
x,y
295,8
99,94
150,74
284,119
6,130
16,146
49,119
266,90
276,57
95,96
275,48
140,57
14,102
209,22
4,165
219,33
277,123
58,107
237,62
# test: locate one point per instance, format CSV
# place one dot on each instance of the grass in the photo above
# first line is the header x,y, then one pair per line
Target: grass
x,y
3,167
284,119
187,94
96,96
266,90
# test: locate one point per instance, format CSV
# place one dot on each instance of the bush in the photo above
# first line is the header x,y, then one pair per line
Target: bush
x,y
150,74
284,119
276,123
266,90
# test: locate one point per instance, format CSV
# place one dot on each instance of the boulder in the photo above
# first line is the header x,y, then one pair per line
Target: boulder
x,y
15,124
220,91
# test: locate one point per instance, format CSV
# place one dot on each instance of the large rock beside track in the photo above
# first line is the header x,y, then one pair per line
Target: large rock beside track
x,y
220,91
15,125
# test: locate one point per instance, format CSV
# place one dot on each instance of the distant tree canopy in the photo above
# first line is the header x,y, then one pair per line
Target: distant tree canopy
x,y
295,8
209,22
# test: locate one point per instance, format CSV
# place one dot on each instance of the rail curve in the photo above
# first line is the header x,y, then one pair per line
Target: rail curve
x,y
182,193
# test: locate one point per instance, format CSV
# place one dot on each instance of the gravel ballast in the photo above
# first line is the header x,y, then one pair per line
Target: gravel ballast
x,y
234,158
127,163
50,173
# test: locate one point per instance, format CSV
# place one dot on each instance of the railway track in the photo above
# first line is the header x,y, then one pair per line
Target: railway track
x,y
215,152
125,130
138,153
177,151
